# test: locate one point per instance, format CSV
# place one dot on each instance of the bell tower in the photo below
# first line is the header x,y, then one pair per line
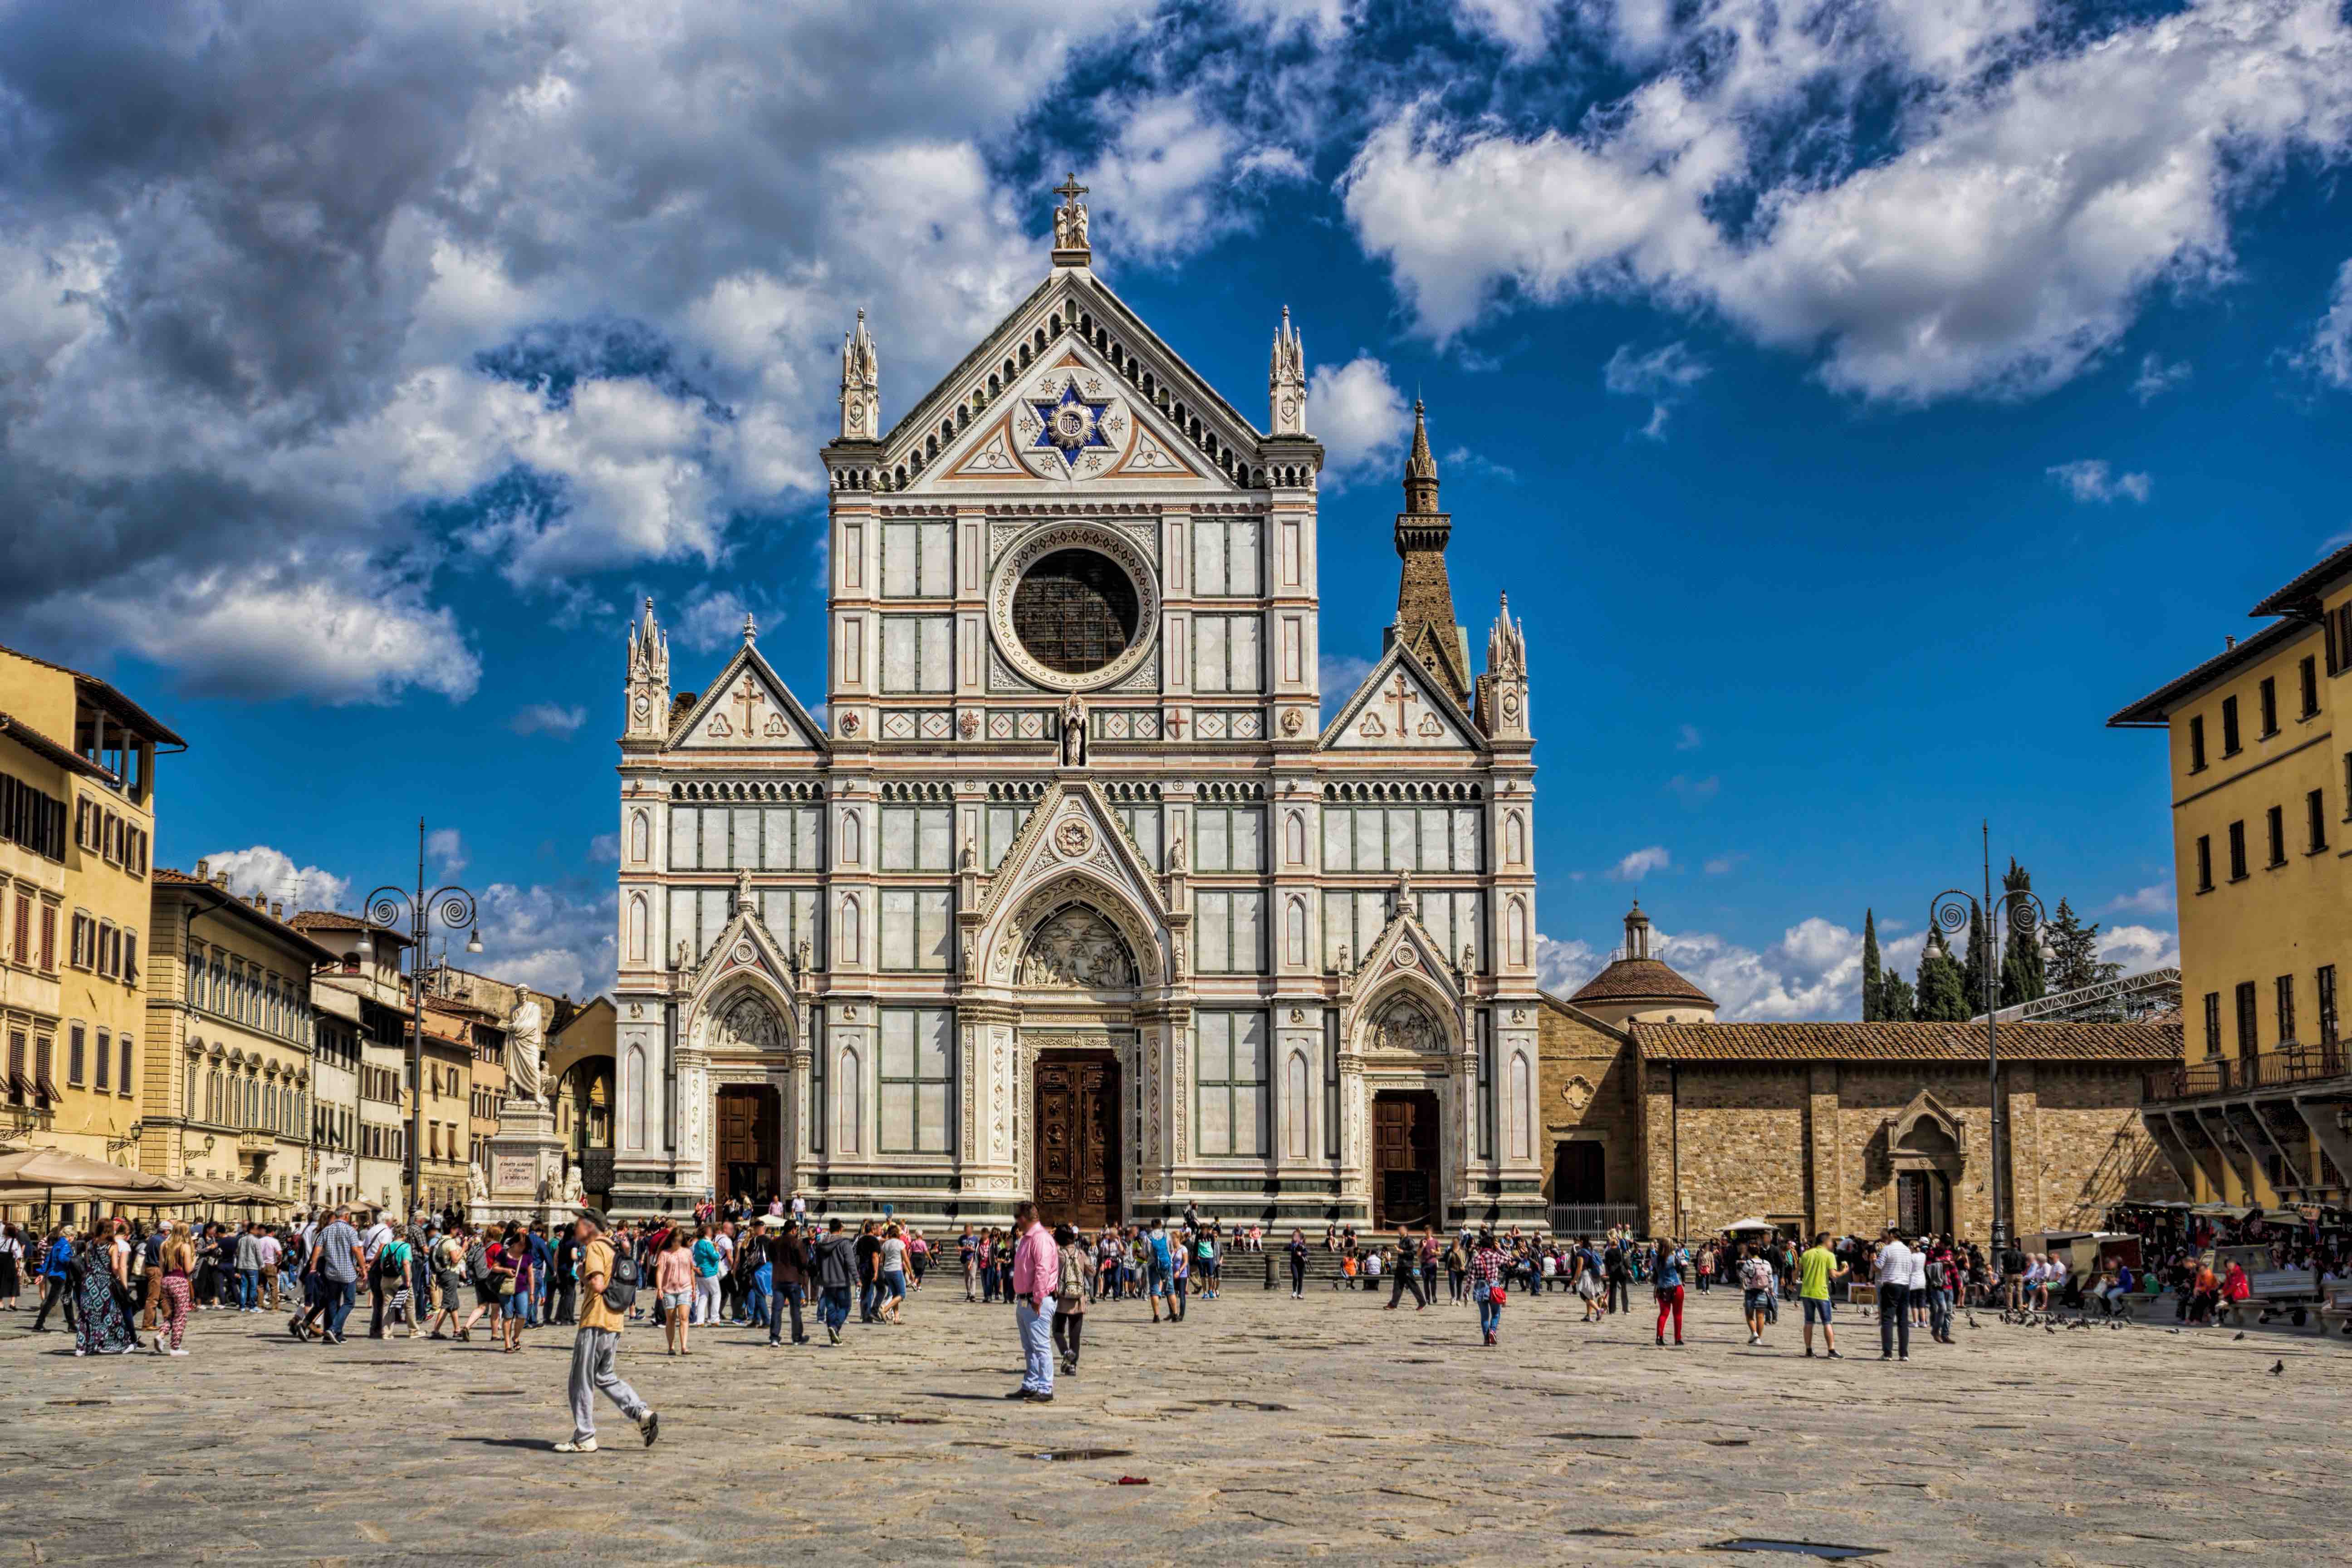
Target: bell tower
x,y
1424,620
648,681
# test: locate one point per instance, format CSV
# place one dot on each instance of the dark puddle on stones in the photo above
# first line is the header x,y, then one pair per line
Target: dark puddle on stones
x,y
1059,1454
1596,1436
1596,1530
1235,1404
488,1392
1800,1547
1728,1442
871,1419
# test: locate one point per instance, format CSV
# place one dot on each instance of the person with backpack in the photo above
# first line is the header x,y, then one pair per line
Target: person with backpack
x,y
449,1265
1070,1296
837,1274
608,1288
1159,1270
391,1278
1204,1252
483,1278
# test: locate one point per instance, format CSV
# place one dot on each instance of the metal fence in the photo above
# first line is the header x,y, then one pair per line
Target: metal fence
x,y
2230,1075
1593,1219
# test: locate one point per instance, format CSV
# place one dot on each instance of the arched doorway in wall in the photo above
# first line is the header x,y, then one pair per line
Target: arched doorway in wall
x,y
1080,974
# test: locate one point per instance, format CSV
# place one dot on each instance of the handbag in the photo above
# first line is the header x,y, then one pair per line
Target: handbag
x,y
1497,1295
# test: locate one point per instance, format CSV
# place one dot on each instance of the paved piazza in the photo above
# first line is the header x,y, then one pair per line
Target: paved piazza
x,y
1268,1429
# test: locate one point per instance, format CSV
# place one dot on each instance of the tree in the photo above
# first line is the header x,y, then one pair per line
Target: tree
x,y
1973,967
1869,982
2022,976
2073,948
1895,1001
1943,996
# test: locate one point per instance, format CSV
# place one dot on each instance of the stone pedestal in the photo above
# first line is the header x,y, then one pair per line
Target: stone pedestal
x,y
526,1176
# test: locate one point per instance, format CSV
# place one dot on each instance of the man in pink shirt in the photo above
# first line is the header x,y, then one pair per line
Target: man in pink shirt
x,y
1036,1275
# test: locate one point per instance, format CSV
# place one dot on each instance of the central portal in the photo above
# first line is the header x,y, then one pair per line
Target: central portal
x,y
1076,1151
748,1144
1404,1159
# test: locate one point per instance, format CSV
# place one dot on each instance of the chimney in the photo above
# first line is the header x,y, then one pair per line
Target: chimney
x,y
203,871
276,911
220,879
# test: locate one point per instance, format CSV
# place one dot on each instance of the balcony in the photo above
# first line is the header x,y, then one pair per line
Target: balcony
x,y
257,1143
2280,1067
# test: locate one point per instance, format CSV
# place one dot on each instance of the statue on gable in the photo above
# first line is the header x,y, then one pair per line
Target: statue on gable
x,y
1073,732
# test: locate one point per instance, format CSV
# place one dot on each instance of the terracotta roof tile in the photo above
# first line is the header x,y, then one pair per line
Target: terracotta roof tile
x,y
1641,980
2033,1042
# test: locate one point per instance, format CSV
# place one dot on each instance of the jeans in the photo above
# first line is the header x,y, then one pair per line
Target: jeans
x,y
1894,1319
761,1297
592,1373
248,1288
833,1305
1298,1276
1939,1312
340,1294
869,1297
790,1295
1037,1346
1490,1311
54,1290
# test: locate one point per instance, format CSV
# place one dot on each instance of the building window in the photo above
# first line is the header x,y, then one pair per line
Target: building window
x,y
1230,938
2212,1023
918,560
1399,838
912,1073
77,1051
2285,987
790,916
2204,863
2248,1042
2325,979
2274,830
1224,557
1225,654
2229,747
2314,814
48,938
123,1078
1228,838
2237,852
2308,682
1231,1082
917,653
32,820
918,839
917,929
44,1066
2266,698
2197,744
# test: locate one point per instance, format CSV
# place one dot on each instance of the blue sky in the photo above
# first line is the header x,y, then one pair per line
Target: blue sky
x,y
1860,401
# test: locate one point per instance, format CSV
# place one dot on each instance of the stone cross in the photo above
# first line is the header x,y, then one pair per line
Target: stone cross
x,y
1401,694
750,696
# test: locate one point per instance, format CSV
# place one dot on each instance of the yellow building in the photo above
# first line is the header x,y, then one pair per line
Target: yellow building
x,y
80,757
230,1037
2261,809
446,1120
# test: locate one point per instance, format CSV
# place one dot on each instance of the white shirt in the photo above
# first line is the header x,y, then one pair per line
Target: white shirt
x,y
1893,1265
374,1238
1917,1277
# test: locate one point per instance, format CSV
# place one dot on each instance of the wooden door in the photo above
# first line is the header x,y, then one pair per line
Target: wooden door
x,y
1075,1174
1405,1160
747,1141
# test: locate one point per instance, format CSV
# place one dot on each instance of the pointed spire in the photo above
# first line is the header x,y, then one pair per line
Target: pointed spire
x,y
1286,381
1507,645
861,386
1420,468
1425,622
750,629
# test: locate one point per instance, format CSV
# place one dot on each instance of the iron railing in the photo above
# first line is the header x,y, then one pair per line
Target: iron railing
x,y
1593,1219
2281,1066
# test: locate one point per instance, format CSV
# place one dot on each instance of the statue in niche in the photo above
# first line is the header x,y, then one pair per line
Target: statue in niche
x,y
1073,732
1078,947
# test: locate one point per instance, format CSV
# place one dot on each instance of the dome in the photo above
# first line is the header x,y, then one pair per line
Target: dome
x,y
1644,980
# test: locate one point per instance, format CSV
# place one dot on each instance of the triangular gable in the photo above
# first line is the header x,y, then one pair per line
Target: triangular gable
x,y
1405,948
961,428
744,943
1044,849
1420,716
748,708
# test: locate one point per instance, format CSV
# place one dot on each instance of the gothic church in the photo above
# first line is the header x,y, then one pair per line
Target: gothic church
x,y
1069,894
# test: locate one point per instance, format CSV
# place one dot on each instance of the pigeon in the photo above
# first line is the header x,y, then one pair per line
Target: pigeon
x,y
2172,1330
2048,1330
2278,1368
2239,1335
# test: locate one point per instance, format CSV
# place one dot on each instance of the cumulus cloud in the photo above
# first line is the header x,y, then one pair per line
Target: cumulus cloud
x,y
1362,418
2329,355
2155,377
557,939
1662,376
2090,480
1814,970
273,874
1641,863
1563,967
1694,791
2153,900
547,718
1521,27
711,619
606,849
2034,186
2139,948
446,849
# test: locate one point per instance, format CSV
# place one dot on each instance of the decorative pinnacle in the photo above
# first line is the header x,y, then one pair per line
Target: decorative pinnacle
x,y
750,626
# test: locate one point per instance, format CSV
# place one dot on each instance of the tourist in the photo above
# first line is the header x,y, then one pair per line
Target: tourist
x,y
919,1259
1036,1282
890,1268
788,1257
1070,1297
608,1289
837,1274
339,1265
674,1290
481,1272
247,1252
1486,1286
1755,1290
517,1277
1617,1272
1940,1270
178,1256
391,1268
1891,1274
1668,1266
869,1272
1179,1281
1204,1252
968,1254
1589,1288
1817,1269
1457,1265
449,1263
150,1275
709,1262
1159,1270
564,1271
105,1327
1297,1250
1408,1274
12,1265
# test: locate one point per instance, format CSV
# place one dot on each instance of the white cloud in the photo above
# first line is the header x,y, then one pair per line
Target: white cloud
x,y
1723,865
1641,863
556,938
1321,19
547,718
1687,737
1521,27
711,618
2153,900
2155,377
1463,460
1814,970
2089,481
2040,186
1164,186
606,849
273,874
1563,967
2330,357
1694,792
446,849
2335,542
1361,419
1661,375
2139,948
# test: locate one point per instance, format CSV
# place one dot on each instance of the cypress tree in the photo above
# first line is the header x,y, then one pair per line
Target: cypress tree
x,y
2023,977
1870,971
1895,1001
1942,999
1973,967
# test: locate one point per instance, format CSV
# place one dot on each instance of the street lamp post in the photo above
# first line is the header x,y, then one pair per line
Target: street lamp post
x,y
454,906
1951,910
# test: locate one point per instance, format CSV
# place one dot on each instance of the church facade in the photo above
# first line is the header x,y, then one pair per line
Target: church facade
x,y
1071,894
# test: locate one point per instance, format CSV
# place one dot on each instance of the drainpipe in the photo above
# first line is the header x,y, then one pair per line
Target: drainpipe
x,y
1675,1137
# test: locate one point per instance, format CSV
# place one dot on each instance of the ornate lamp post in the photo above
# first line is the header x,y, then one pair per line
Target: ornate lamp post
x,y
2022,913
454,906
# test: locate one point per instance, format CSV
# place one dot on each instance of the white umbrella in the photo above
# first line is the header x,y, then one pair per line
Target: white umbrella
x,y
1739,1226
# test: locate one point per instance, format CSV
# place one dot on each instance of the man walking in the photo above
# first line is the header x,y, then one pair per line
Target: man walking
x,y
1817,1269
1893,1276
57,1282
1036,1280
1408,1274
1159,1270
836,1272
604,1307
1619,1274
1755,1290
788,1264
338,1255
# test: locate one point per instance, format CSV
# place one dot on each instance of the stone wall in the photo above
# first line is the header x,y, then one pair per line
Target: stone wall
x,y
1587,1090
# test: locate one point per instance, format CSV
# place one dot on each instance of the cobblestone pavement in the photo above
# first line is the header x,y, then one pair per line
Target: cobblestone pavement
x,y
1266,1428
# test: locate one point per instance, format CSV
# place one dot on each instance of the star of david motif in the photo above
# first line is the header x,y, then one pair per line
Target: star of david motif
x,y
1071,424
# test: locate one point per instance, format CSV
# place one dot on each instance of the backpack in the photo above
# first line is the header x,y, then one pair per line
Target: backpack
x,y
391,1262
621,1289
478,1264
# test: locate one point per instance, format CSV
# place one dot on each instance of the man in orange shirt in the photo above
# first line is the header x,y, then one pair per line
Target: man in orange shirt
x,y
597,1345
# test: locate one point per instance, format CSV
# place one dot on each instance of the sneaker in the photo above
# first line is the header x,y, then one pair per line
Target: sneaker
x,y
1041,1399
1905,1358
1835,1356
584,1446
182,1351
650,1424
833,1333
1809,1352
